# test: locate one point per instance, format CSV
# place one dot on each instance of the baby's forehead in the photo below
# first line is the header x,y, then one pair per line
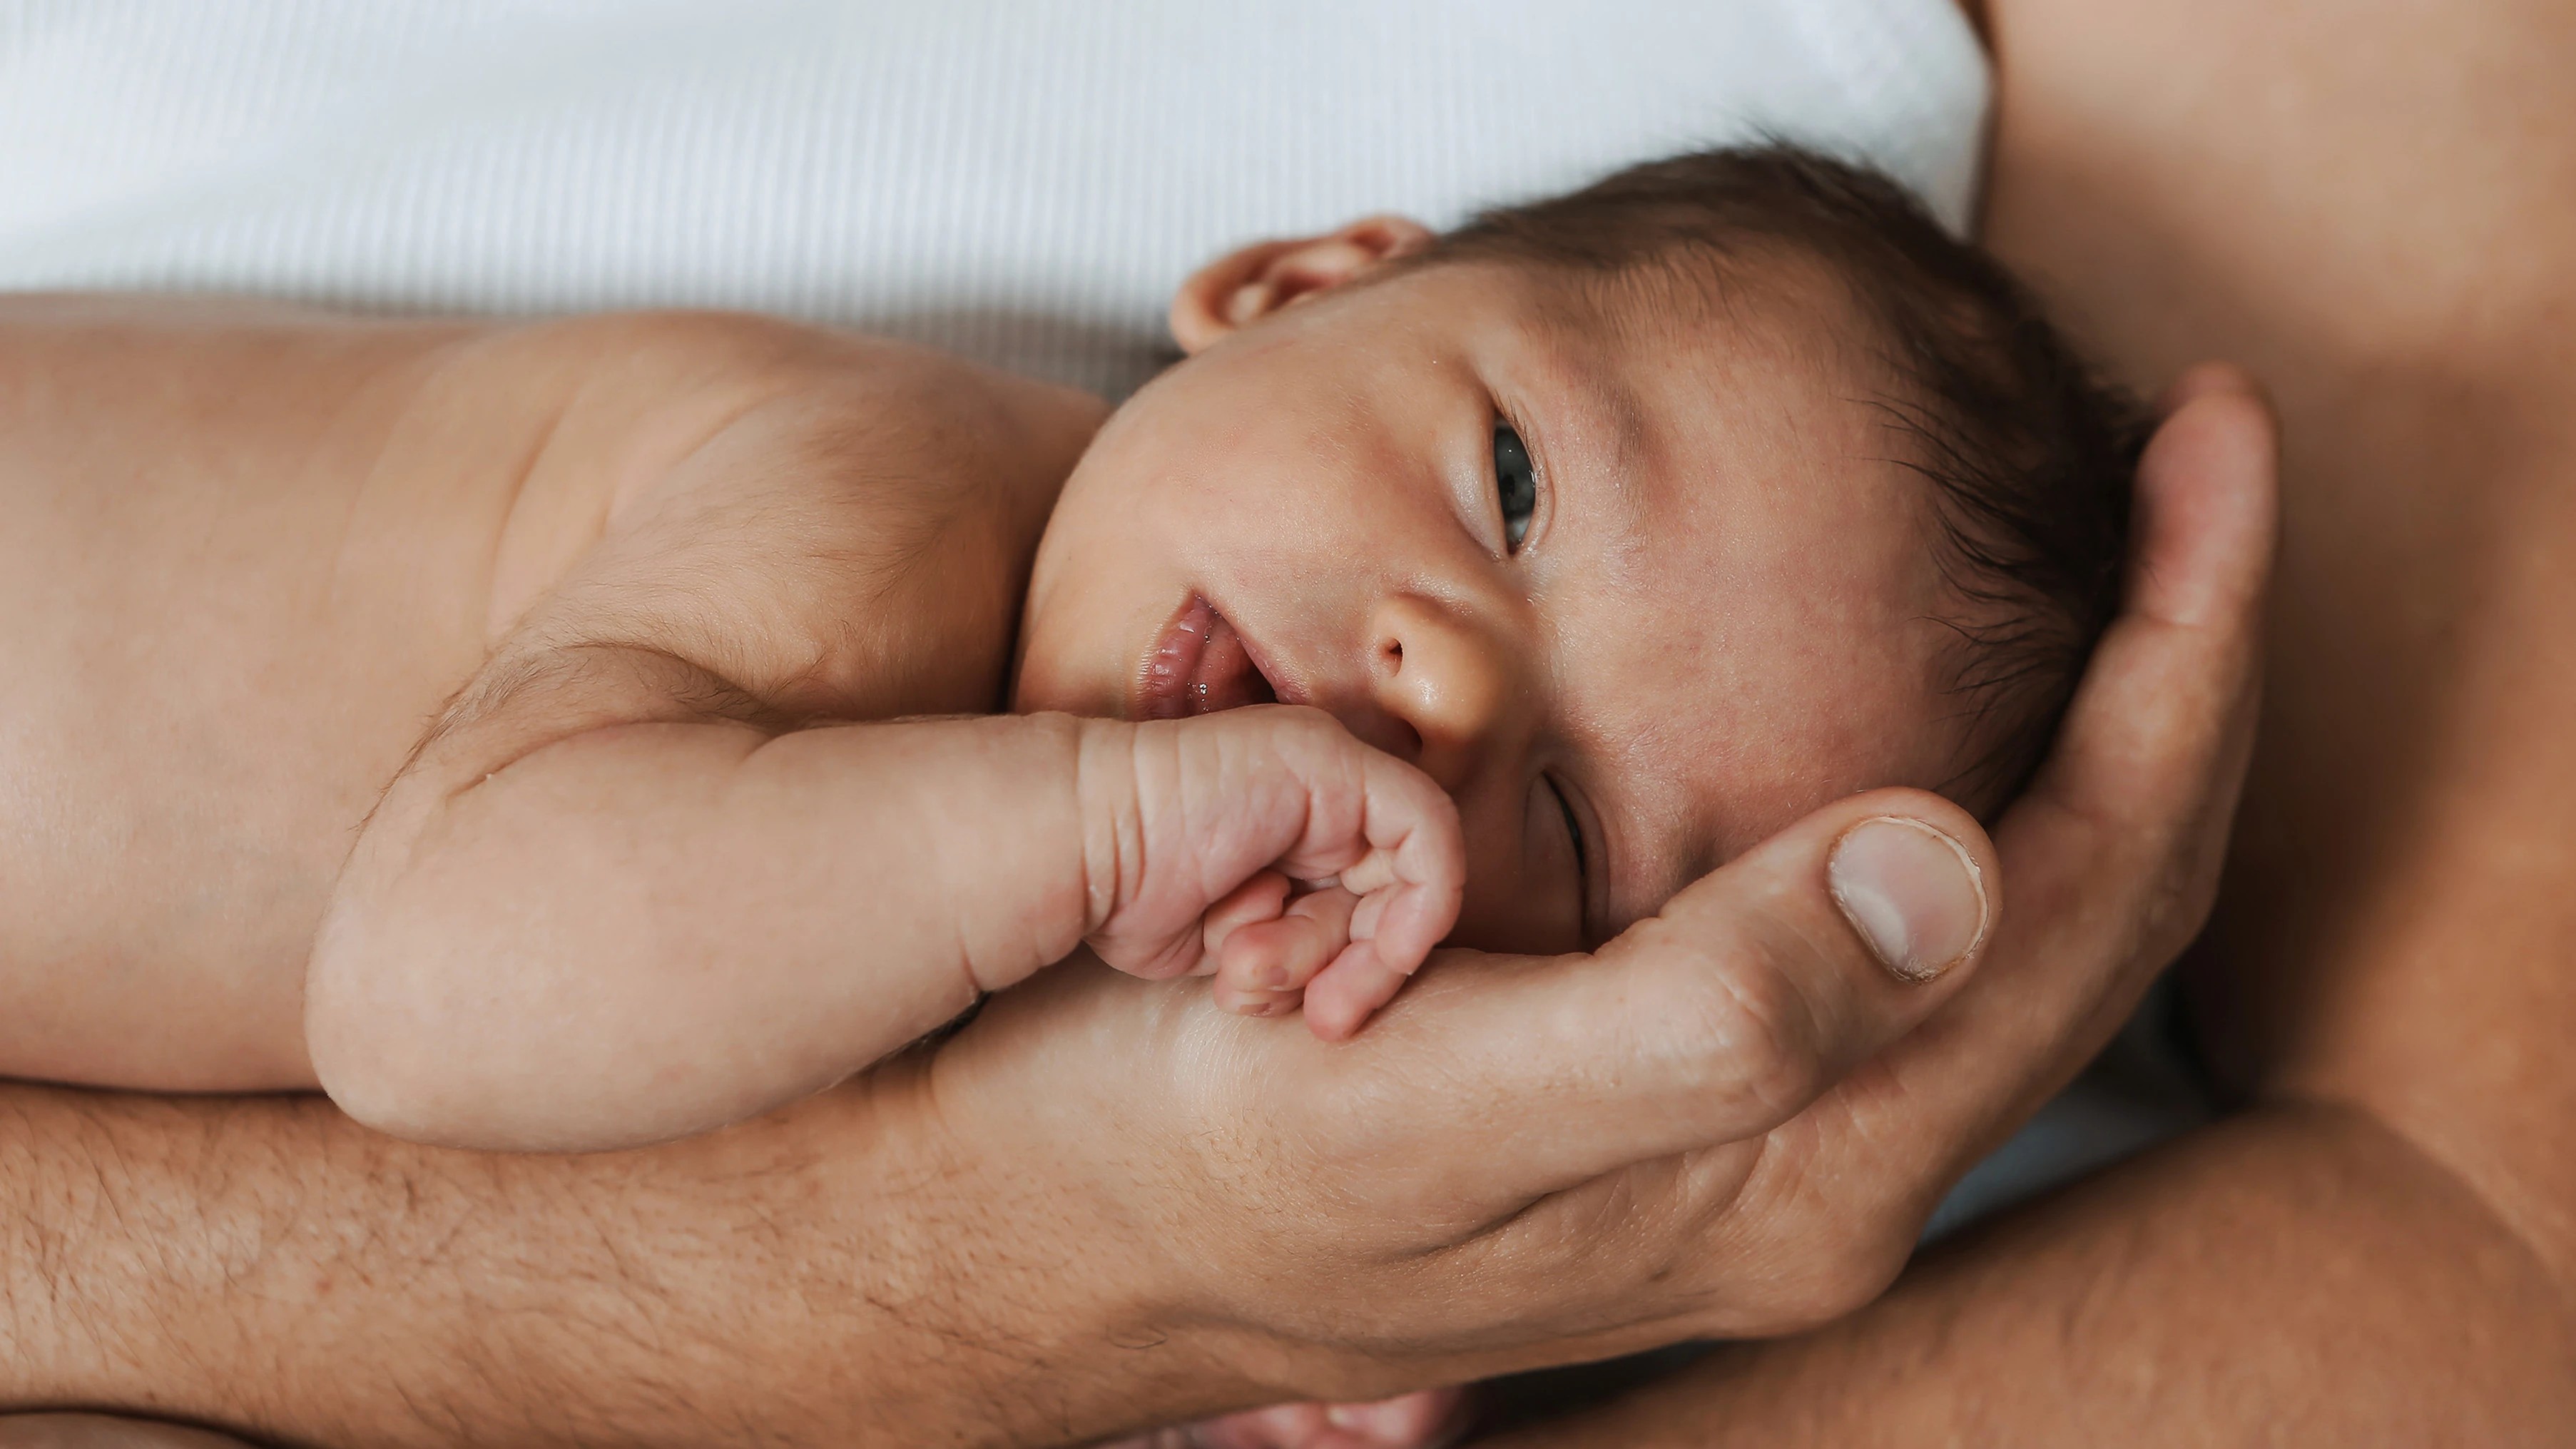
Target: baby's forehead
x,y
1718,710
1760,299
1746,594
1696,418
1686,370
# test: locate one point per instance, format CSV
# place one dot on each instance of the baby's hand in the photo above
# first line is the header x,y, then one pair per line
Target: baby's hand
x,y
1267,847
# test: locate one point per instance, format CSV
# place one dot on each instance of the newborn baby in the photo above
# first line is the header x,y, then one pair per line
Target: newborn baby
x,y
1549,563
1482,588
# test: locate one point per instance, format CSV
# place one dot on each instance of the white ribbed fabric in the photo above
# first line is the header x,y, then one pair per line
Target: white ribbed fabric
x,y
1021,180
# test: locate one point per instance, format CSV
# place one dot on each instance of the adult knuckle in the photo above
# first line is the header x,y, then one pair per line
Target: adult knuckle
x,y
1753,1031
1852,1278
1719,1018
1832,1280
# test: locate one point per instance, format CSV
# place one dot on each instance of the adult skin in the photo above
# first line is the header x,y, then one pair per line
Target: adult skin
x,y
1101,1205
2374,206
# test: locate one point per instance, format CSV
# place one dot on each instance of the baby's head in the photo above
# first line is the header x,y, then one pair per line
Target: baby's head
x,y
1644,519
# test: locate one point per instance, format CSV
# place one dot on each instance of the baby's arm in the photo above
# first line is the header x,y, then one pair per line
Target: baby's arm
x,y
627,889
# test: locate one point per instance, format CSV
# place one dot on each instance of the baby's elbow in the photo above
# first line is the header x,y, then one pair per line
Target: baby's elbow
x,y
427,1041
410,1105
385,1069
392,1051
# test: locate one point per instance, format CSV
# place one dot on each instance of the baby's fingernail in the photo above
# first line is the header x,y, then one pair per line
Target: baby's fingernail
x,y
1914,894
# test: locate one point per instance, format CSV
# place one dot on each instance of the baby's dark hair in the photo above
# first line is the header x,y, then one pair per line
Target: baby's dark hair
x,y
2029,456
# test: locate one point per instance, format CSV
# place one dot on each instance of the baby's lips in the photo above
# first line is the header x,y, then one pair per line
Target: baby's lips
x,y
1200,665
1226,678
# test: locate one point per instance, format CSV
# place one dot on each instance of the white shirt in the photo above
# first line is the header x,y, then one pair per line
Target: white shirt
x,y
1024,181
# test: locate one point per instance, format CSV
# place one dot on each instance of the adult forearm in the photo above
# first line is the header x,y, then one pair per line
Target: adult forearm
x,y
2296,1275
267,1266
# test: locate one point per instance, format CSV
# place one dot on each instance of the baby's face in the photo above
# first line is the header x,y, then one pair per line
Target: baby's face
x,y
1712,613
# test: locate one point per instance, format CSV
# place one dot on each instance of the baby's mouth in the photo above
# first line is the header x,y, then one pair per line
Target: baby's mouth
x,y
1199,666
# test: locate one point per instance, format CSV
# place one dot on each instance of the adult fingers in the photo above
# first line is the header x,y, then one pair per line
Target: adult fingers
x,y
2134,806
2167,706
2114,853
1713,1022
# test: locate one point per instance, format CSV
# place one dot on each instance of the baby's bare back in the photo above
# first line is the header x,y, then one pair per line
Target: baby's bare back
x,y
251,552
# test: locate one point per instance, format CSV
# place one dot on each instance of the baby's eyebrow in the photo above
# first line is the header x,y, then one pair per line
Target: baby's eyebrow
x,y
1612,433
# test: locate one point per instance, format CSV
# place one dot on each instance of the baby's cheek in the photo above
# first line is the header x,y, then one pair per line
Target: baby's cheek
x,y
1511,910
1524,894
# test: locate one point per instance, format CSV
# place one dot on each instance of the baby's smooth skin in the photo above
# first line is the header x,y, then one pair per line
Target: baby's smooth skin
x,y
518,730
632,572
655,583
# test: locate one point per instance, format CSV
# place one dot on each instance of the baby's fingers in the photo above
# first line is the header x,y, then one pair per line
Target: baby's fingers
x,y
1403,853
1259,899
1263,967
1392,929
1342,997
1402,912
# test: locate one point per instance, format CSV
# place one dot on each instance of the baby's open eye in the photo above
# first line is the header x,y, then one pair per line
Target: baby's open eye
x,y
1517,483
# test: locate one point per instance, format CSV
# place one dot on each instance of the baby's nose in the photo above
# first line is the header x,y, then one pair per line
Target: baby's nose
x,y
1442,676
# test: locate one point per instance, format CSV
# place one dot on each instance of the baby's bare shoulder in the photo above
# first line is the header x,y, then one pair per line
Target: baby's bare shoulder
x,y
836,520
251,548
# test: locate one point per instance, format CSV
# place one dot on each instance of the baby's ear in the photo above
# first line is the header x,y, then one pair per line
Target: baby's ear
x,y
1240,288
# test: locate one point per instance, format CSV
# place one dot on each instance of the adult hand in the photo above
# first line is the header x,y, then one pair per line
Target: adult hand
x,y
1733,1120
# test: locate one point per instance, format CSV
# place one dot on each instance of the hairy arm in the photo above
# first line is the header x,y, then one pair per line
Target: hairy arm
x,y
270,1267
2371,207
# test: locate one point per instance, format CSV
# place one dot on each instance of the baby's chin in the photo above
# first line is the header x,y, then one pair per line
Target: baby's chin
x,y
1047,670
1043,680
1035,690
